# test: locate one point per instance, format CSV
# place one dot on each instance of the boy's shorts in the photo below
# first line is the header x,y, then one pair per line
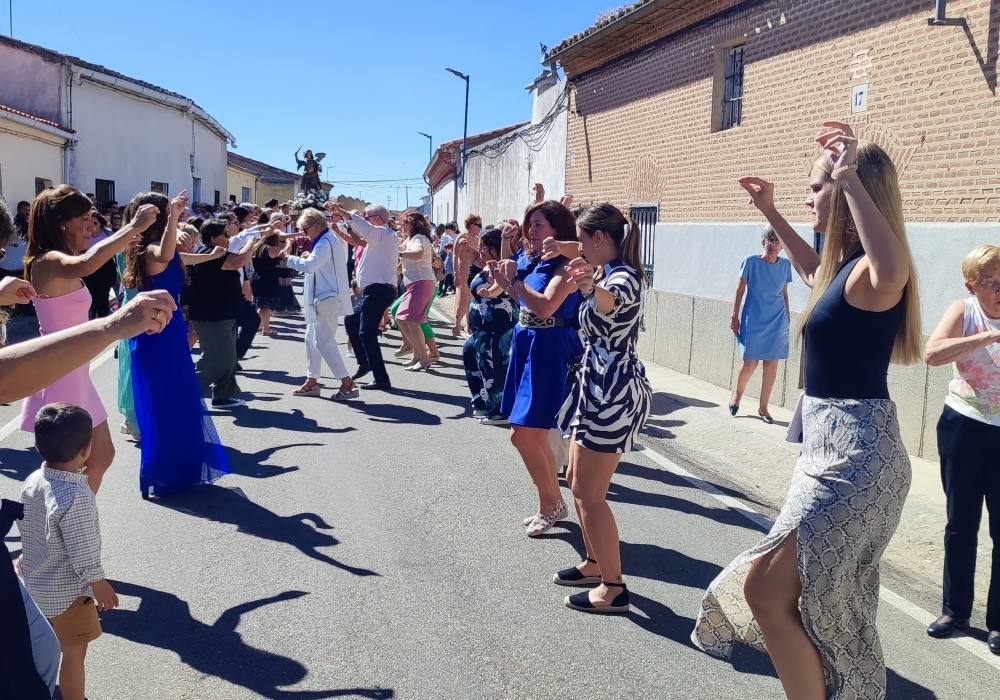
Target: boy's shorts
x,y
78,624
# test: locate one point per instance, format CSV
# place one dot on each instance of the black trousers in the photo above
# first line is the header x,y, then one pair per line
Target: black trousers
x,y
362,328
970,471
247,324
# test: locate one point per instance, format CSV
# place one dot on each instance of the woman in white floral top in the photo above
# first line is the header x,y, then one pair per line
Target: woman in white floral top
x,y
969,439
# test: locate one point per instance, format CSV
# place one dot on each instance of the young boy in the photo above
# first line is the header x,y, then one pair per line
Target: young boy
x,y
61,540
448,283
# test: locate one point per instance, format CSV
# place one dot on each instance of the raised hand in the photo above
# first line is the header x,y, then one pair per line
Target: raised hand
x,y
566,200
539,192
581,274
503,271
179,203
148,312
218,252
14,290
838,138
144,217
761,192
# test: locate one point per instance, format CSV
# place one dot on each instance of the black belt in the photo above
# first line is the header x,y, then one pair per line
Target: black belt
x,y
527,319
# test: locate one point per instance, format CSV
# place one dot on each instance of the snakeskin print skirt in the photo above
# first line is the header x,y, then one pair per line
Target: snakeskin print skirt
x,y
843,505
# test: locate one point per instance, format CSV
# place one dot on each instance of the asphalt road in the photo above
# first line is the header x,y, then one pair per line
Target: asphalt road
x,y
375,550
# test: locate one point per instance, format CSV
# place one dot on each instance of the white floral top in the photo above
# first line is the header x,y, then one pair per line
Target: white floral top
x,y
975,390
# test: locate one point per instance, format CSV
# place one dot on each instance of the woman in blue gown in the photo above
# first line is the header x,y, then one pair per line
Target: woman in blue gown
x,y
180,447
545,344
762,328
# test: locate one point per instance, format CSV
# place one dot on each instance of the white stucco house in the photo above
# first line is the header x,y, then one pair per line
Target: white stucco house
x,y
120,135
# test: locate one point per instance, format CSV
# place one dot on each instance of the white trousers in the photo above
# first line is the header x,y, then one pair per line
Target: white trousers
x,y
321,341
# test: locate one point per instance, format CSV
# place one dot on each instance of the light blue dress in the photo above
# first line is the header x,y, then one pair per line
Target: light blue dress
x,y
763,323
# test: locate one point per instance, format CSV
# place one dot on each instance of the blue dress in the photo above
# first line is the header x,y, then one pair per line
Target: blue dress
x,y
763,323
180,447
540,358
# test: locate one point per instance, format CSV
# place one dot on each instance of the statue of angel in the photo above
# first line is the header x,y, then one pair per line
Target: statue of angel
x,y
312,169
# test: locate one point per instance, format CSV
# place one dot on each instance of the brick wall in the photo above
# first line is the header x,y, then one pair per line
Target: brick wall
x,y
640,127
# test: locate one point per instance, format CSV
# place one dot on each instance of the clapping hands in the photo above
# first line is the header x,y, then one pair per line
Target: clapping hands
x,y
503,271
580,274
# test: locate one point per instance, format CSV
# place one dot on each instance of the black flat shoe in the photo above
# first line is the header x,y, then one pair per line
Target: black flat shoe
x,y
618,606
993,642
574,577
733,408
945,626
376,386
766,417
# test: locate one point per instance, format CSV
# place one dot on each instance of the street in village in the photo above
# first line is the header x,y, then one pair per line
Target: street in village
x,y
378,553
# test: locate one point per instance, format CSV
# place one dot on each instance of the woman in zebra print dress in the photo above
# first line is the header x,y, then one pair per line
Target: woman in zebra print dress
x,y
609,400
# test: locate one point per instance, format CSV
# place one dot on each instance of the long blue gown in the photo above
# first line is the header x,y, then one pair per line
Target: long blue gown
x,y
180,447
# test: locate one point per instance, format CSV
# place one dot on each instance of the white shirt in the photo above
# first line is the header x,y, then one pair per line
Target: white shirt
x,y
378,261
326,274
61,538
422,268
237,242
445,240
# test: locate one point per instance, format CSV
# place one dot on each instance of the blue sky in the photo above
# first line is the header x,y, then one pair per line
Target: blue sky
x,y
357,80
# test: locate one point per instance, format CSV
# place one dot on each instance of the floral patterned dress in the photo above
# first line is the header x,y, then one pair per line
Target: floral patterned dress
x,y
487,352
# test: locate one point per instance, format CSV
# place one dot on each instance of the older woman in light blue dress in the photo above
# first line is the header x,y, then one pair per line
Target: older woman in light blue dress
x,y
762,328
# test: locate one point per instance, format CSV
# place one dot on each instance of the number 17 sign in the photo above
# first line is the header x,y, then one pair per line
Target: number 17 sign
x,y
859,98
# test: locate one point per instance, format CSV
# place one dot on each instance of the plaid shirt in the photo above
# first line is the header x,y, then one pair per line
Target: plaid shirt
x,y
60,537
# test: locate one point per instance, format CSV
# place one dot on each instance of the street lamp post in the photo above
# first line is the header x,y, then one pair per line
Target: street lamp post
x,y
430,157
465,128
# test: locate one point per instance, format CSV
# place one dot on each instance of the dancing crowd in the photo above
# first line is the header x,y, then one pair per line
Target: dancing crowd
x,y
552,302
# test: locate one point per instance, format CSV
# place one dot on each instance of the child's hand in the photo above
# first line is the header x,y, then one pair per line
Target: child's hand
x,y
104,595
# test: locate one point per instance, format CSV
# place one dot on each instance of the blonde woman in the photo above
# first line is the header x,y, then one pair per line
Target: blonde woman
x,y
968,436
809,590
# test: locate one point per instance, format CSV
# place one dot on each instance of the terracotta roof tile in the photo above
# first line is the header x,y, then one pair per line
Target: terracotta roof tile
x,y
32,117
602,21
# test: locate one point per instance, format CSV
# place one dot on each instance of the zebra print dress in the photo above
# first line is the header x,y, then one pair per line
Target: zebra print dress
x,y
610,397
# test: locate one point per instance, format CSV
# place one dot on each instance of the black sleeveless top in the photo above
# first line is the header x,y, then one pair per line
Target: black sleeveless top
x,y
848,349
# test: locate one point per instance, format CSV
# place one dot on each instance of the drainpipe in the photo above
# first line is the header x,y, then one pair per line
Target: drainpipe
x,y
940,13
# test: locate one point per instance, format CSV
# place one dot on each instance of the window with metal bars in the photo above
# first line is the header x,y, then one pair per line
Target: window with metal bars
x,y
732,93
159,187
645,217
104,191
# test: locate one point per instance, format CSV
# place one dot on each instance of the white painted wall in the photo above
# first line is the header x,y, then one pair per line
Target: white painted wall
x,y
702,259
209,162
500,188
25,154
135,141
443,203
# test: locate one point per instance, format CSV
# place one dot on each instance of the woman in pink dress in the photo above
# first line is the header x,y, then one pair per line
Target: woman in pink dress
x,y
56,259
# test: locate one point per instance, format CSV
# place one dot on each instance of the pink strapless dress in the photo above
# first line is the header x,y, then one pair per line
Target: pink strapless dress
x,y
57,314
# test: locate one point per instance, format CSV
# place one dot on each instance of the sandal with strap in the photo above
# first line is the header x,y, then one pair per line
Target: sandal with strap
x,y
574,577
581,601
542,523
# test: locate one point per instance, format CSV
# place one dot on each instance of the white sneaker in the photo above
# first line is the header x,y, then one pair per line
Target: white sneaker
x,y
479,413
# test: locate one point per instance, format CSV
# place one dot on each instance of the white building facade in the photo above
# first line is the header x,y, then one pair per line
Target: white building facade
x,y
500,174
128,136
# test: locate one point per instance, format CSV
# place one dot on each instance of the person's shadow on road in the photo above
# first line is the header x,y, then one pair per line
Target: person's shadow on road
x,y
164,621
225,505
252,464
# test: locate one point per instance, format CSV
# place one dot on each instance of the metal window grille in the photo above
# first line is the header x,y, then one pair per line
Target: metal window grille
x,y
104,192
732,97
159,187
218,198
645,217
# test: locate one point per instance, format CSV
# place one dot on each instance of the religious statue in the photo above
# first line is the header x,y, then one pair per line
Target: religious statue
x,y
312,169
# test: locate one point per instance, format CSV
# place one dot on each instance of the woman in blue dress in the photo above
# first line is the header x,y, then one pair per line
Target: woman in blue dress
x,y
762,328
545,345
180,447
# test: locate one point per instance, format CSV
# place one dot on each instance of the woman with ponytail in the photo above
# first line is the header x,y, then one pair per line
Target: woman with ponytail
x,y
609,400
809,590
56,260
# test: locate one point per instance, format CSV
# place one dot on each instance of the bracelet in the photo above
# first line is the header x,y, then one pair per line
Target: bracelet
x,y
838,172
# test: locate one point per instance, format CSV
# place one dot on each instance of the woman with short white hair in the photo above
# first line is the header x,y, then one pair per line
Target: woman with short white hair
x,y
968,436
327,298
